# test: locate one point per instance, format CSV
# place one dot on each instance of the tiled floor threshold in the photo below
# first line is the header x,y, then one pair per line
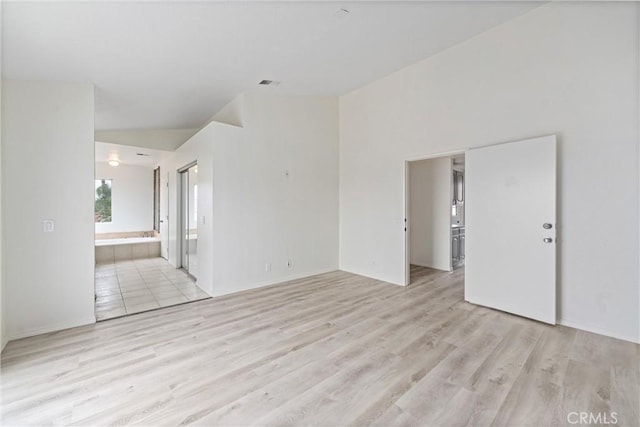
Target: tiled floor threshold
x,y
134,286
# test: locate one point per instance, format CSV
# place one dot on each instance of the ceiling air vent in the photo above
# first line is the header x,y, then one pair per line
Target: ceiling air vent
x,y
142,154
266,82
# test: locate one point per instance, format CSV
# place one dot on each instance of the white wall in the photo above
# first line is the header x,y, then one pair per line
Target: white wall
x,y
566,68
430,195
3,310
131,197
48,135
157,139
198,148
250,213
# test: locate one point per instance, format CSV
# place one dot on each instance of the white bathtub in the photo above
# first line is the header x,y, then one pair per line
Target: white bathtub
x,y
126,241
111,250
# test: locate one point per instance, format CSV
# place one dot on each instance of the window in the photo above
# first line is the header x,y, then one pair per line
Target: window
x,y
103,200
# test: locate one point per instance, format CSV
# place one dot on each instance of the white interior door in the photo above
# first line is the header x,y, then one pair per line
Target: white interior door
x,y
510,259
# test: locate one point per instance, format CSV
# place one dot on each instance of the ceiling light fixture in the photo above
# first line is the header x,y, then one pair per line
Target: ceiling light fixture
x,y
113,163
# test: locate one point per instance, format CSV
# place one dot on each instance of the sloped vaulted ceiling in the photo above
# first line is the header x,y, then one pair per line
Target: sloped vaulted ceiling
x,y
159,65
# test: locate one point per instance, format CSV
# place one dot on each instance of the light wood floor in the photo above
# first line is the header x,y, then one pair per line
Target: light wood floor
x,y
334,349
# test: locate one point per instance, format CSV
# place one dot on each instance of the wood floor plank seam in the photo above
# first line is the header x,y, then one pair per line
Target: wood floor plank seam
x,y
331,349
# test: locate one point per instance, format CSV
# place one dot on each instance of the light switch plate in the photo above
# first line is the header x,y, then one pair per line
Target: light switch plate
x,y
48,225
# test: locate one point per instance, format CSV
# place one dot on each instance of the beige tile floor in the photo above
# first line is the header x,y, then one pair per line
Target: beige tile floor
x,y
134,286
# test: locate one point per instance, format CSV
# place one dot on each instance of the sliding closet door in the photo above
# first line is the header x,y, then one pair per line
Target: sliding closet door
x,y
192,222
189,219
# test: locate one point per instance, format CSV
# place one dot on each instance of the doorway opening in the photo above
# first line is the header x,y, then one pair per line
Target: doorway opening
x,y
131,230
502,223
188,178
435,221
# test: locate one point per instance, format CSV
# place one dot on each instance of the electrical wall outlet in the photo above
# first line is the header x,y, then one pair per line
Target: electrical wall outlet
x,y
267,267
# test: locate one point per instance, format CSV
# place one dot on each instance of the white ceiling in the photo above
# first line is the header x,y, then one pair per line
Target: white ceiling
x,y
128,155
159,65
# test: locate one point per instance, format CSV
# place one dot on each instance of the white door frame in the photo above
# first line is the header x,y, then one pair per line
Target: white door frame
x,y
181,215
407,195
407,258
407,222
164,215
167,219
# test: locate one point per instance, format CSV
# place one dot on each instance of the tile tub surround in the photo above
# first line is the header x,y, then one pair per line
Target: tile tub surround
x,y
127,234
112,250
133,286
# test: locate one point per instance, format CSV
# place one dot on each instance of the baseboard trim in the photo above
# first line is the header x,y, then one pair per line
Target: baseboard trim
x,y
52,328
275,282
380,279
576,325
433,267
